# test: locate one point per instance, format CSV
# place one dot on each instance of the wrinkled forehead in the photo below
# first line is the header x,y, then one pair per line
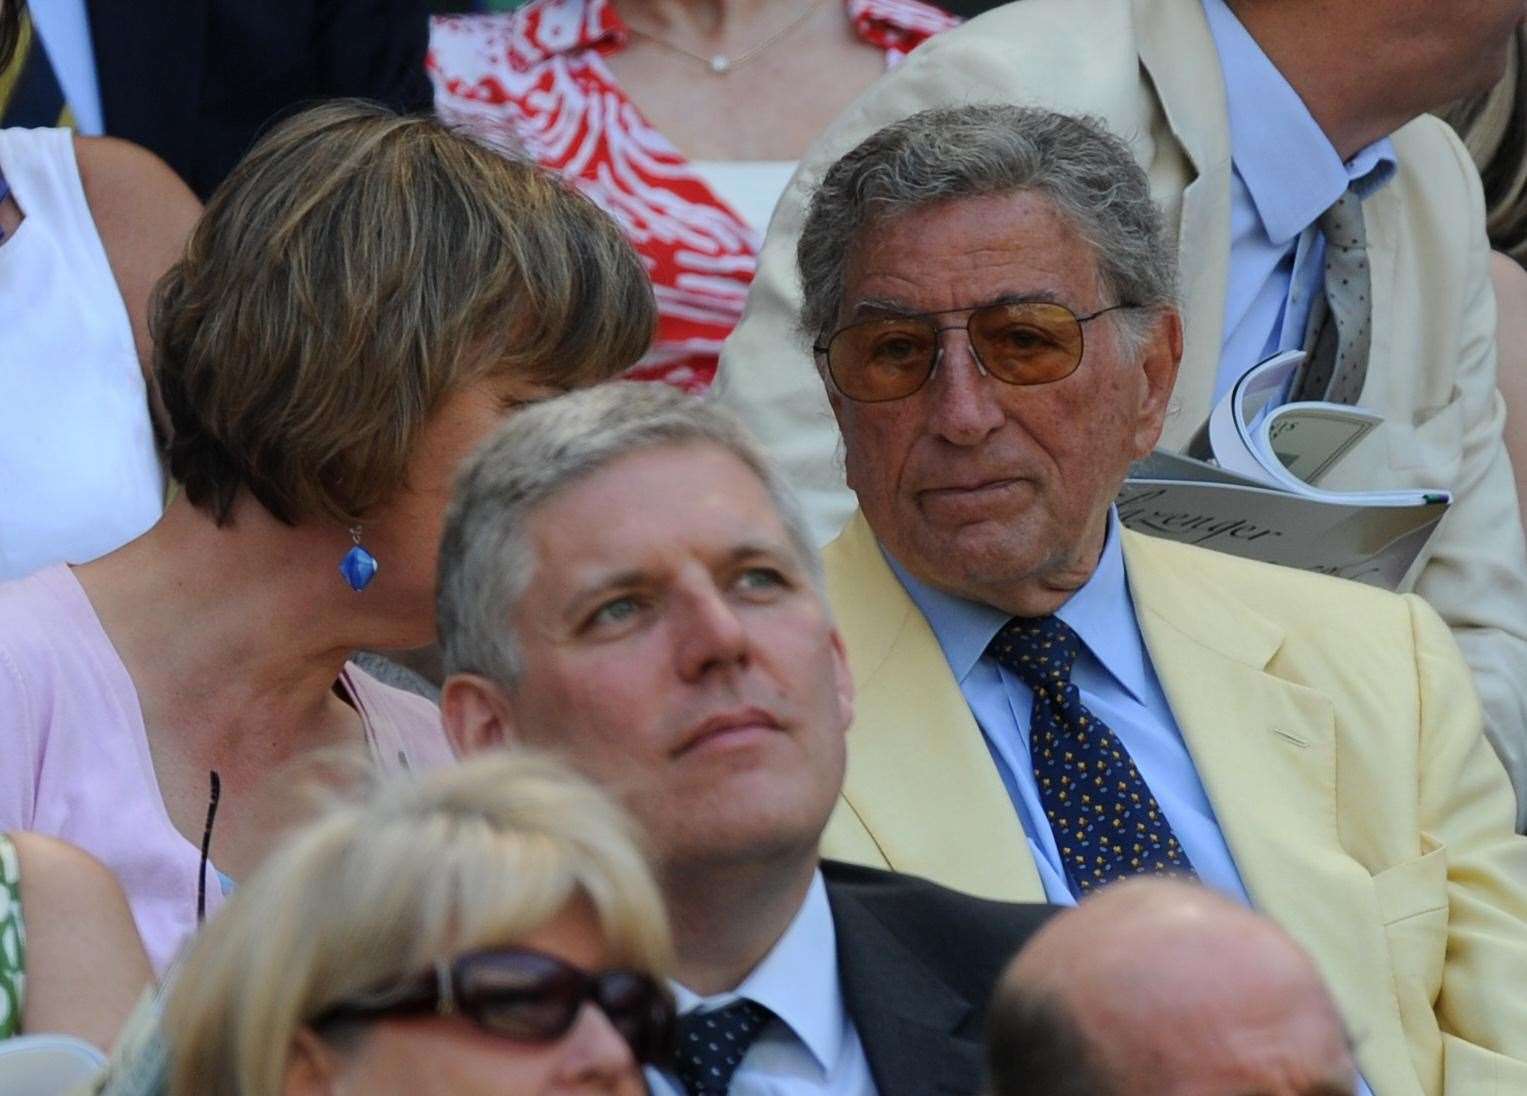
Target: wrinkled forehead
x,y
967,252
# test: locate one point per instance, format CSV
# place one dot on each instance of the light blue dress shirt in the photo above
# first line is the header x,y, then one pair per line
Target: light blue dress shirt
x,y
1285,174
815,1049
64,27
1118,684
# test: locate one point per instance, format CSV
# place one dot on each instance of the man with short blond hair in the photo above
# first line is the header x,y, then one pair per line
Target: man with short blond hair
x,y
624,581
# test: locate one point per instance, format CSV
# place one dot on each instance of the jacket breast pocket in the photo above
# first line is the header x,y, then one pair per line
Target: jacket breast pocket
x,y
1431,443
1413,904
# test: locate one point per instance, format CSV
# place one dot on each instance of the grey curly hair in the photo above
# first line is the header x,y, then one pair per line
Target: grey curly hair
x,y
981,149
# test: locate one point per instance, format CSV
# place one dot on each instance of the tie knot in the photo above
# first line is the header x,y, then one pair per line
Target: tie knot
x,y
712,1045
1342,224
1040,650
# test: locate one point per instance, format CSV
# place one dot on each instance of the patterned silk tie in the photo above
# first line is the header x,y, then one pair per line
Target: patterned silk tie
x,y
30,94
1106,822
1341,332
713,1044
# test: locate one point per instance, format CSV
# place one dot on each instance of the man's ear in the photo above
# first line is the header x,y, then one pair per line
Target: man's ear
x,y
1159,359
845,680
311,1067
476,713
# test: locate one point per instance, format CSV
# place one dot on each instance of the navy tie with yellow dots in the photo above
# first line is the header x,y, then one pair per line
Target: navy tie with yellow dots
x,y
713,1044
1106,822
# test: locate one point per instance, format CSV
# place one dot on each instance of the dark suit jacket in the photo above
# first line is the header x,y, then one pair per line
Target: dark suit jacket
x,y
917,963
196,81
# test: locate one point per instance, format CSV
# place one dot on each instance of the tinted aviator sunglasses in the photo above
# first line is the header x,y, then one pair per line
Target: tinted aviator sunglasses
x,y
1019,342
526,996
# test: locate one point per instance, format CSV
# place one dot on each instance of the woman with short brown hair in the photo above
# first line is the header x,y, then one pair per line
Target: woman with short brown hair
x,y
365,297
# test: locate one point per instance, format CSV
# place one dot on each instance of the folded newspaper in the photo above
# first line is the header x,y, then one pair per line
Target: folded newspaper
x,y
1259,496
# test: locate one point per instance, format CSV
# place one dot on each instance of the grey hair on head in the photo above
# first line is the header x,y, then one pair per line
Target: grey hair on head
x,y
486,560
973,151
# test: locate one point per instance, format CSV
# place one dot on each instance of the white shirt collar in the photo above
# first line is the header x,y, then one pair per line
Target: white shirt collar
x,y
797,980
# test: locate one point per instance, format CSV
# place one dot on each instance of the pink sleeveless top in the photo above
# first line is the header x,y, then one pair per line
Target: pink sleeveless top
x,y
74,754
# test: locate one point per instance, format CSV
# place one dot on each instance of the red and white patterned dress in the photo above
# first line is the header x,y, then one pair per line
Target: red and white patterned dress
x,y
538,76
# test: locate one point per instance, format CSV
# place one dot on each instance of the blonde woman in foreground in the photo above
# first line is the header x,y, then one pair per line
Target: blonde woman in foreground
x,y
485,929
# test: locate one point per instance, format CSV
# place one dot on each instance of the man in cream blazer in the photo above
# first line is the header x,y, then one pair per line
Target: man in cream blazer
x,y
997,336
1149,69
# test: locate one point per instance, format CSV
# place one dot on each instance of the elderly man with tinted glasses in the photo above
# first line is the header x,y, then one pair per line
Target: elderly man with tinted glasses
x,y
1283,139
626,582
1049,702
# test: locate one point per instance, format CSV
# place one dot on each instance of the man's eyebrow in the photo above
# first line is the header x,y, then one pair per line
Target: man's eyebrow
x,y
753,549
610,580
873,307
636,576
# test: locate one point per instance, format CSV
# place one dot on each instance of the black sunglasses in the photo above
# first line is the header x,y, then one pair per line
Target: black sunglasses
x,y
527,996
1020,342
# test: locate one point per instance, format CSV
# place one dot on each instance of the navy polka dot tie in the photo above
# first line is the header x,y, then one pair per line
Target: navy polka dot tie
x,y
713,1044
1106,822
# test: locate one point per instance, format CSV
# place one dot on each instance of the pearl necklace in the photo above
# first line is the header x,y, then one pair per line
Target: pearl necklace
x,y
720,63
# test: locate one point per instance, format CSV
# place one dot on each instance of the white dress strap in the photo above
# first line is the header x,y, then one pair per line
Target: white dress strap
x,y
80,469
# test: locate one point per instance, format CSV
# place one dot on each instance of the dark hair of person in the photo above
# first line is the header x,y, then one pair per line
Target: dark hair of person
x,y
1035,1047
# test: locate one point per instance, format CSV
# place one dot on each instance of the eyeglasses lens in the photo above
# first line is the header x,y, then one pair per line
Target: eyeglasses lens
x,y
1027,343
528,997
534,998
642,1012
1021,343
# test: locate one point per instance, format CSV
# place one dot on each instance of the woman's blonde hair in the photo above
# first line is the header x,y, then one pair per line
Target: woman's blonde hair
x,y
478,855
1494,128
356,268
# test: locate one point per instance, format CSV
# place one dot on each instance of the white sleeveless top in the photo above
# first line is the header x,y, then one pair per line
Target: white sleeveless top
x,y
79,474
751,187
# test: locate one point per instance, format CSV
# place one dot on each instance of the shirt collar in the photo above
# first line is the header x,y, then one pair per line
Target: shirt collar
x,y
1101,613
797,980
1291,170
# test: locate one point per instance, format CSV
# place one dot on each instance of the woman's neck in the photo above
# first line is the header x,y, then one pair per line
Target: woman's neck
x,y
220,627
715,24
726,918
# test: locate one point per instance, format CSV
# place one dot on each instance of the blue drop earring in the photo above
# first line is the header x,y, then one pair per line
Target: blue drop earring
x,y
359,566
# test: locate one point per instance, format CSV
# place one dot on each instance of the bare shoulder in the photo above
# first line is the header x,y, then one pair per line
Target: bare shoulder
x,y
1510,280
85,962
57,875
128,186
143,213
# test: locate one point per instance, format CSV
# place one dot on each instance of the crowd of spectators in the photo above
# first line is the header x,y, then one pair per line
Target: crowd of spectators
x,y
724,404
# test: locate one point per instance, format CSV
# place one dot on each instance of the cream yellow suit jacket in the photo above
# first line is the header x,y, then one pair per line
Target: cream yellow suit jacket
x,y
1337,736
1148,68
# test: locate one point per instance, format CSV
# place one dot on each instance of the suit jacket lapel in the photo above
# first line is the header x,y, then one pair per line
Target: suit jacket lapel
x,y
906,1017
1381,220
915,741
1178,53
1265,749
